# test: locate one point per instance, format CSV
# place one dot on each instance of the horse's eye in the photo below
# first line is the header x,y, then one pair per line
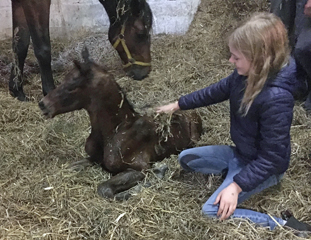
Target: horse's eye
x,y
142,36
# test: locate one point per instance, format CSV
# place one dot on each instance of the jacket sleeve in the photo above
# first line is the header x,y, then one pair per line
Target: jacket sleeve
x,y
274,147
214,93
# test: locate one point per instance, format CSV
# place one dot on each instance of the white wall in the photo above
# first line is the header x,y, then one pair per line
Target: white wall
x,y
69,17
172,16
5,19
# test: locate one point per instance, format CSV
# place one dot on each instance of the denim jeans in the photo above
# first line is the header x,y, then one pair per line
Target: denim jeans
x,y
216,159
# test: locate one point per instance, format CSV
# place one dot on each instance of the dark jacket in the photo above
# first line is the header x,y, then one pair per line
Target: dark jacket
x,y
262,137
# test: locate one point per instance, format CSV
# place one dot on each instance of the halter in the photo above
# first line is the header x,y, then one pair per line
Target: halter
x,y
131,60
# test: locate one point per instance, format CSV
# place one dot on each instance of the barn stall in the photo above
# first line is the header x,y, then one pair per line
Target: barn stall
x,y
41,198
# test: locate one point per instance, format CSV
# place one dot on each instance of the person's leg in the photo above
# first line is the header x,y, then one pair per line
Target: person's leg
x,y
206,159
260,218
285,10
302,51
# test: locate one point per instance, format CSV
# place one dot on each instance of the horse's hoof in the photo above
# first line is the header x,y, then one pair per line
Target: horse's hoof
x,y
19,95
160,171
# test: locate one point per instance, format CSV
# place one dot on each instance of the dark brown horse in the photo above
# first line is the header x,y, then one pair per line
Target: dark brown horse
x,y
129,33
123,142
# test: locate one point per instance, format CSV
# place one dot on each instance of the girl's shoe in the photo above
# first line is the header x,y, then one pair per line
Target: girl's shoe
x,y
293,223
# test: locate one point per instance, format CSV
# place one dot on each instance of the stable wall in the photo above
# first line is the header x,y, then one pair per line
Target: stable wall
x,y
71,17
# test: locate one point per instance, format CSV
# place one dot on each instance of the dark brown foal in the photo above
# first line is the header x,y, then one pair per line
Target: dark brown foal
x,y
123,142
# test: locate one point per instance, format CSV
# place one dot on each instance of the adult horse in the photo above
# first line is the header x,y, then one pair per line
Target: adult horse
x,y
129,33
123,142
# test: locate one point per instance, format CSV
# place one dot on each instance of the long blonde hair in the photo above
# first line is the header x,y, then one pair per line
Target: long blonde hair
x,y
263,41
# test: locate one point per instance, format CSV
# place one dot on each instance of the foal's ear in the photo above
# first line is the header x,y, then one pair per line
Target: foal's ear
x,y
83,68
77,64
85,55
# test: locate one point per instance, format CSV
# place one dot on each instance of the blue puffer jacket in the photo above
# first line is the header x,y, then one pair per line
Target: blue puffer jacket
x,y
262,137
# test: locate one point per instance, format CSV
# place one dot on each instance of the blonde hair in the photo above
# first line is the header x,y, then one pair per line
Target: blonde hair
x,y
263,41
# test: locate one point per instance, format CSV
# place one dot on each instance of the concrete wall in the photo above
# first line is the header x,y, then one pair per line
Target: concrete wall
x,y
71,17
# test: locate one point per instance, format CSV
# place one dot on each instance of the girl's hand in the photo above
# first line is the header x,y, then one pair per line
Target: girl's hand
x,y
228,200
169,108
307,10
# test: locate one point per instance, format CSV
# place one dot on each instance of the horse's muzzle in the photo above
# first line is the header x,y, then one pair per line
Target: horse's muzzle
x,y
138,72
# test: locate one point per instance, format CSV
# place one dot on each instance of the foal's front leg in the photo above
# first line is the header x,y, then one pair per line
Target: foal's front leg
x,y
119,183
94,149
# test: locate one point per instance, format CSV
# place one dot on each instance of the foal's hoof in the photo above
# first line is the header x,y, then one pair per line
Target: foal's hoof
x,y
160,171
122,196
80,165
104,191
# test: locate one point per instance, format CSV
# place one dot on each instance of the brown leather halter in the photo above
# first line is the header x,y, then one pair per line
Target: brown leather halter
x,y
131,60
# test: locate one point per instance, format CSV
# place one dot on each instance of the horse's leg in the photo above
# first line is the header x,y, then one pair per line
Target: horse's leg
x,y
20,43
119,183
37,13
307,103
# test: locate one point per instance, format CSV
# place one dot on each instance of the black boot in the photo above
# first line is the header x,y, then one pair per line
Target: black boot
x,y
293,223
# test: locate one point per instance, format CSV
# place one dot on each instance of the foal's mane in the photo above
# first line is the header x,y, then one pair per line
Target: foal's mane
x,y
103,68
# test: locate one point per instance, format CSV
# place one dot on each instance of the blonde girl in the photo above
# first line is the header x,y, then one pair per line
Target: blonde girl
x,y
260,91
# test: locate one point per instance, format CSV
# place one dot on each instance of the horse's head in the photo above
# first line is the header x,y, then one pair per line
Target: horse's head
x,y
79,87
130,36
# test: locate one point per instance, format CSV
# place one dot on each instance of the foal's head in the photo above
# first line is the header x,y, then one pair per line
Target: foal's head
x,y
84,87
130,36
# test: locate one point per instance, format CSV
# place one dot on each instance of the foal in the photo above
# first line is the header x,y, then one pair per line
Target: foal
x,y
123,142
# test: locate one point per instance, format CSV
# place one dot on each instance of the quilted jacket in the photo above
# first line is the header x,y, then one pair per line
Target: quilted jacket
x,y
262,137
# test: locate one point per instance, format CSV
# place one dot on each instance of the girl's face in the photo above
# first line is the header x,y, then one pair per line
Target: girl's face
x,y
239,60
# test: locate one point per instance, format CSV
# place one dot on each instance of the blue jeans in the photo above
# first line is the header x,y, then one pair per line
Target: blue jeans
x,y
216,159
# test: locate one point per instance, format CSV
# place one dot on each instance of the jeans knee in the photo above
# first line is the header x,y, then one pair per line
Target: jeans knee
x,y
185,159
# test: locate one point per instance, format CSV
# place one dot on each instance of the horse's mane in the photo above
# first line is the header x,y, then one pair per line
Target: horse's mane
x,y
124,11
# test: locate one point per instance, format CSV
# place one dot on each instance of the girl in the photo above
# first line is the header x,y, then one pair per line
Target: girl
x,y
260,91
